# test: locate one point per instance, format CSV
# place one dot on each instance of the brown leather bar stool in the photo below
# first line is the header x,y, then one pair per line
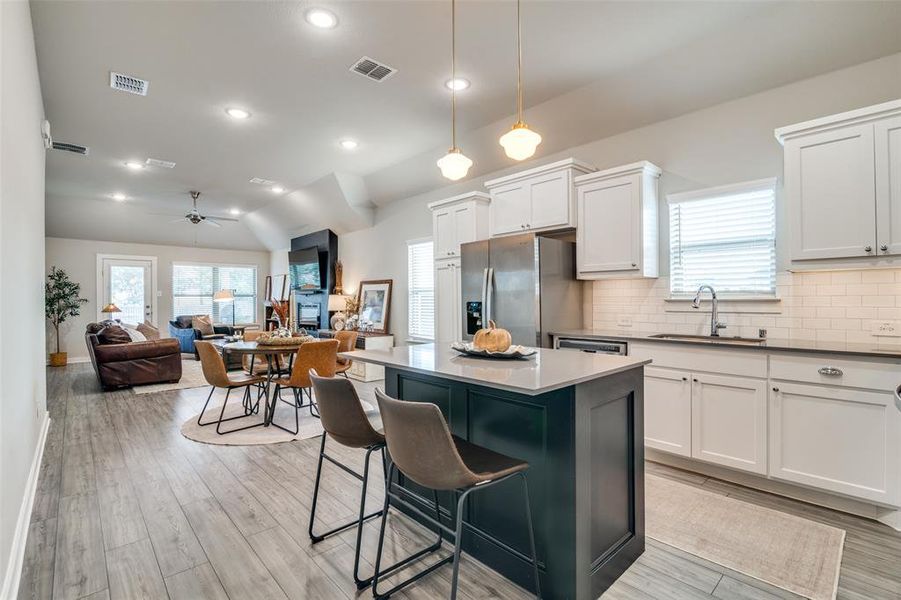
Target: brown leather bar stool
x,y
422,447
319,355
217,376
348,340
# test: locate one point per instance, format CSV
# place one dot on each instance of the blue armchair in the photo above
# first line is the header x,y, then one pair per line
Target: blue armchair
x,y
182,330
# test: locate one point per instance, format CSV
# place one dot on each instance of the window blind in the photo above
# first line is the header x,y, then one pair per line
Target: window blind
x,y
421,290
193,287
724,237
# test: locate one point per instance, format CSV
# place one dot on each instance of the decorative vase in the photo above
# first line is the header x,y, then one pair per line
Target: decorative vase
x,y
58,359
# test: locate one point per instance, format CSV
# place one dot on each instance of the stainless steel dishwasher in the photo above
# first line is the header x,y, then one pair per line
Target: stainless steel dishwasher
x,y
592,346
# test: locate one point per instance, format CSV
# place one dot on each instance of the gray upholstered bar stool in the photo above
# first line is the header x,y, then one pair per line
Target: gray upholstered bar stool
x,y
345,422
422,447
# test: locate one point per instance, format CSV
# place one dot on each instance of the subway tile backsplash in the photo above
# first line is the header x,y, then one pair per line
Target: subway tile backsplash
x,y
845,306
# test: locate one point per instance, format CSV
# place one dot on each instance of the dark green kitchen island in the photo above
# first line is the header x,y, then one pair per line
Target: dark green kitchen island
x,y
577,418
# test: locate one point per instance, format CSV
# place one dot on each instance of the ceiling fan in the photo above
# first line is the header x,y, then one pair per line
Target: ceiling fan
x,y
195,218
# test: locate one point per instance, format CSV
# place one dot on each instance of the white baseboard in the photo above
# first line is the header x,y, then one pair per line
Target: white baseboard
x,y
20,538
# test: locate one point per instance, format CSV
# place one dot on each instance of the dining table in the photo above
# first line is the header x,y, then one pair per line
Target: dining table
x,y
272,354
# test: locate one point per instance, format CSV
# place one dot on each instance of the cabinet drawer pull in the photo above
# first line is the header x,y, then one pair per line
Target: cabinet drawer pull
x,y
695,379
868,249
830,371
884,247
685,379
775,389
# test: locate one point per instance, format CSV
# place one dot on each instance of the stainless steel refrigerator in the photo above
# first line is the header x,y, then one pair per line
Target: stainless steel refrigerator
x,y
525,283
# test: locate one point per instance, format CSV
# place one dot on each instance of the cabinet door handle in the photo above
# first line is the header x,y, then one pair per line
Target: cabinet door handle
x,y
775,389
898,397
884,247
634,264
695,379
830,371
685,379
868,248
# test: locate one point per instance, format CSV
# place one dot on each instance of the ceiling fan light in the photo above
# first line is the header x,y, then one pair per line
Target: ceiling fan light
x,y
520,142
454,165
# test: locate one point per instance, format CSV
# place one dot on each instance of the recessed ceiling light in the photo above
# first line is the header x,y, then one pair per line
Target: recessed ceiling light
x,y
349,144
134,166
234,211
321,18
457,84
237,113
118,197
277,189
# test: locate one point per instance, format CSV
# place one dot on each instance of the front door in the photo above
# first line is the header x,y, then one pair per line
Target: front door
x,y
128,283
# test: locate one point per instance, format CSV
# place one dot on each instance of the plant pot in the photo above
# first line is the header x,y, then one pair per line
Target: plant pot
x,y
58,359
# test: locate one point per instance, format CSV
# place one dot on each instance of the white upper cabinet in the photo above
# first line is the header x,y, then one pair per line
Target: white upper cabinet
x,y
887,139
842,185
448,301
539,199
458,220
617,214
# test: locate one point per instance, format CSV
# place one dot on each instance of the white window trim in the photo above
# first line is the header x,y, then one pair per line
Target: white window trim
x,y
675,300
418,339
189,263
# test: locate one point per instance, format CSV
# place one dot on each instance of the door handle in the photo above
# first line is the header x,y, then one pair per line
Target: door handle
x,y
490,292
830,371
484,311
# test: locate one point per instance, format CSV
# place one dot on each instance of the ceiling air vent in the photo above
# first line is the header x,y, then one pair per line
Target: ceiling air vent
x,y
373,69
163,164
127,83
74,148
261,181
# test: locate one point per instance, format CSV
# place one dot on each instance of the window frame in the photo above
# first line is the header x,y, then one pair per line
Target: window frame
x,y
216,265
768,183
410,290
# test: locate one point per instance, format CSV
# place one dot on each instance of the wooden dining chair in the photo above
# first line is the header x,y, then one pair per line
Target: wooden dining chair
x,y
215,373
319,355
348,341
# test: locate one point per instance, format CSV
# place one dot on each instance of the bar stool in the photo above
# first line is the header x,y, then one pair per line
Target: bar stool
x,y
319,355
422,447
343,419
215,373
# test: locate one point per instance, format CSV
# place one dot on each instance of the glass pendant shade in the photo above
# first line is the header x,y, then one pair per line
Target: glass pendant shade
x,y
454,165
520,142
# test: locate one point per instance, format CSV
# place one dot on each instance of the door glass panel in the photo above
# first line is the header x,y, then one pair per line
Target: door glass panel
x,y
127,292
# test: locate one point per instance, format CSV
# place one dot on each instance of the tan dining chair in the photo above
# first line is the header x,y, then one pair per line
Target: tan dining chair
x,y
422,448
215,373
348,341
320,355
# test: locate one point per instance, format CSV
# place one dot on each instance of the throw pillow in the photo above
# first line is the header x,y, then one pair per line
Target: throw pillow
x,y
150,332
93,328
133,333
203,324
113,334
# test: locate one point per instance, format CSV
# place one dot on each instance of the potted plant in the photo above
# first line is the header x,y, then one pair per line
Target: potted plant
x,y
61,301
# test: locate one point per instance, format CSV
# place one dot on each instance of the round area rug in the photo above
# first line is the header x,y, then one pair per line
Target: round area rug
x,y
284,416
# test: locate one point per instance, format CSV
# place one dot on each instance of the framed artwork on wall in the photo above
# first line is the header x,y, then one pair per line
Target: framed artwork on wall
x,y
374,300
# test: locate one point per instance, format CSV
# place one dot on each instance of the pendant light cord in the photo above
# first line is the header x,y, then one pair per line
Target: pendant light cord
x,y
518,64
453,74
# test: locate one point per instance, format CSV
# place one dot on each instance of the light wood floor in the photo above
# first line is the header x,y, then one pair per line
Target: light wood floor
x,y
127,508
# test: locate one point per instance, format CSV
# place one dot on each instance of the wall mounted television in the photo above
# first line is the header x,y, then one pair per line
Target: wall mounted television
x,y
305,269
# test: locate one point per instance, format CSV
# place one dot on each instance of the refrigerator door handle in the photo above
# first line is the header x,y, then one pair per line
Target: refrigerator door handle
x,y
484,314
490,293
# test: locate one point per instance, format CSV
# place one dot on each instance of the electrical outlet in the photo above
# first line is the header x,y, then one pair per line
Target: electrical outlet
x,y
887,328
624,322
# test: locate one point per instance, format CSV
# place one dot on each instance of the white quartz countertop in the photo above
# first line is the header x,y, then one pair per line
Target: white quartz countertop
x,y
548,370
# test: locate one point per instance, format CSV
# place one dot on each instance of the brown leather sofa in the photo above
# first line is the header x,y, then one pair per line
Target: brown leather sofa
x,y
133,363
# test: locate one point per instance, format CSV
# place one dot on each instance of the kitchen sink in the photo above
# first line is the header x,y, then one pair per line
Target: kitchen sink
x,y
709,339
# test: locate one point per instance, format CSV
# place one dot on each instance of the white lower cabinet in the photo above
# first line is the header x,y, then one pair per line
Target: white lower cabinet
x,y
728,421
835,438
667,410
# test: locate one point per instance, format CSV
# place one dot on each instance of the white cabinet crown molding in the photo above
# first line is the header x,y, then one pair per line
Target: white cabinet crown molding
x,y
644,167
568,163
851,117
476,196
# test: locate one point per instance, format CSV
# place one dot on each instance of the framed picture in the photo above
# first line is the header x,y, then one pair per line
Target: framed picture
x,y
374,299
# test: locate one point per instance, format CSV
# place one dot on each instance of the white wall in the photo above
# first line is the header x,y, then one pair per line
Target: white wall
x,y
79,259
22,384
726,143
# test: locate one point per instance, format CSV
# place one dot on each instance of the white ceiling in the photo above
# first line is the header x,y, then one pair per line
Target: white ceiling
x,y
614,65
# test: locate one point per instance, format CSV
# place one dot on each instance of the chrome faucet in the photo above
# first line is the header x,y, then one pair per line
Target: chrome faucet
x,y
715,324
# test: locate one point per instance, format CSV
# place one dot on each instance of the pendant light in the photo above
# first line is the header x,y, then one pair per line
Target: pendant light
x,y
454,165
520,142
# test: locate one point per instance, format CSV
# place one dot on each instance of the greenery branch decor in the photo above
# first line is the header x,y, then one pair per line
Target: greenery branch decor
x,y
61,299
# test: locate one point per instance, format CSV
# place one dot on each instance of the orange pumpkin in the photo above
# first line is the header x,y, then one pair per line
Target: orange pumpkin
x,y
492,339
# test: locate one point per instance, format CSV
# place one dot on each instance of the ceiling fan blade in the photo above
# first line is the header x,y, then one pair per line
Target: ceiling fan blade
x,y
209,221
218,218
179,220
